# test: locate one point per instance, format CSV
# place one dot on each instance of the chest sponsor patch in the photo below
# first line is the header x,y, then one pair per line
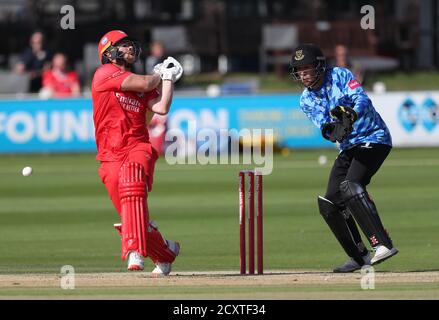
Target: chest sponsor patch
x,y
353,84
128,103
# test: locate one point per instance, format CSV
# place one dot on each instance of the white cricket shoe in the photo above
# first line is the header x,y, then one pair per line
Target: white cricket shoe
x,y
351,265
135,261
164,269
382,253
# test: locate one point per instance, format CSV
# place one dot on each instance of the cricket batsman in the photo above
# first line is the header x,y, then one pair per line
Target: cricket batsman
x,y
336,103
123,105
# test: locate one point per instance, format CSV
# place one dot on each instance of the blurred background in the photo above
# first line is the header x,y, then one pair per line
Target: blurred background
x,y
219,40
226,47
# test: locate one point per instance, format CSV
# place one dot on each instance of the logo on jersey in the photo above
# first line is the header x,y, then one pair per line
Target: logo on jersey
x,y
299,55
129,104
354,84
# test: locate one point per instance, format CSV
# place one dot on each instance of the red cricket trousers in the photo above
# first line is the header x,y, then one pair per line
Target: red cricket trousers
x,y
143,154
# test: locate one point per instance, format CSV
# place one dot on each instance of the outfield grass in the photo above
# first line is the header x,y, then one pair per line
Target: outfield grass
x,y
61,215
400,81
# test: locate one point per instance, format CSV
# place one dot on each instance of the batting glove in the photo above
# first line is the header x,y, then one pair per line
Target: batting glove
x,y
178,65
171,70
157,68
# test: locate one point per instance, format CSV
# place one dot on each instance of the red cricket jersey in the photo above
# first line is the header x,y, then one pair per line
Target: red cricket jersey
x,y
119,116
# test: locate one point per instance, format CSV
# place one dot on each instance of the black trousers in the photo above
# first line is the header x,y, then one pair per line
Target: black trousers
x,y
357,164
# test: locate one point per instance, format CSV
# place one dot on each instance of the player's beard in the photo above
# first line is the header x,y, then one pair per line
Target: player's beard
x,y
129,58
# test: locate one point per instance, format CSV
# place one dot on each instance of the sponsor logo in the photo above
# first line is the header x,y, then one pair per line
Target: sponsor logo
x,y
104,41
129,104
429,114
373,240
426,114
353,84
59,127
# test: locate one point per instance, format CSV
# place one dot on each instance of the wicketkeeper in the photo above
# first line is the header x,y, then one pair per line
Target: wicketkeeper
x,y
335,102
123,105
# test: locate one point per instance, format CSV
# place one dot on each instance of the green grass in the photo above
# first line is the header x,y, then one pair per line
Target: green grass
x,y
344,292
400,81
62,215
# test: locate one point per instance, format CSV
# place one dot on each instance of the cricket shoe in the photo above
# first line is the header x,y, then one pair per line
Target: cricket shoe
x,y
164,269
351,265
135,261
382,253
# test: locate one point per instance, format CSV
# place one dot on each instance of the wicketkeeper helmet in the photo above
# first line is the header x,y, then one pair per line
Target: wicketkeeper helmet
x,y
308,54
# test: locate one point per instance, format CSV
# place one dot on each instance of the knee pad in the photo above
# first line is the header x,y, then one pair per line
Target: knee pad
x,y
326,207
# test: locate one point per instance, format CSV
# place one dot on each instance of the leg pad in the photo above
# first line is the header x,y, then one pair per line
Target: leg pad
x,y
134,213
365,213
341,229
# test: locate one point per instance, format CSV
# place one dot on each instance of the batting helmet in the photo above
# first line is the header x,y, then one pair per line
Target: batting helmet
x,y
308,54
108,43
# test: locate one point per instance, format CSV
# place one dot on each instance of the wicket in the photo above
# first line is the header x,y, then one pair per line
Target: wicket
x,y
251,222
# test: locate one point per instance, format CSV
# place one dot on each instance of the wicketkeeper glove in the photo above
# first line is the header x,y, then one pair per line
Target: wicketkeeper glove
x,y
339,130
335,131
346,115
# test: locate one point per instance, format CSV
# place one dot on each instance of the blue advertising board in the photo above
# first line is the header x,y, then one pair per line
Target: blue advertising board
x,y
278,112
46,126
66,125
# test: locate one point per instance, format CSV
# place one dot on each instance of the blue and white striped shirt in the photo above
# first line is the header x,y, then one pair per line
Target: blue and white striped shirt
x,y
340,88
